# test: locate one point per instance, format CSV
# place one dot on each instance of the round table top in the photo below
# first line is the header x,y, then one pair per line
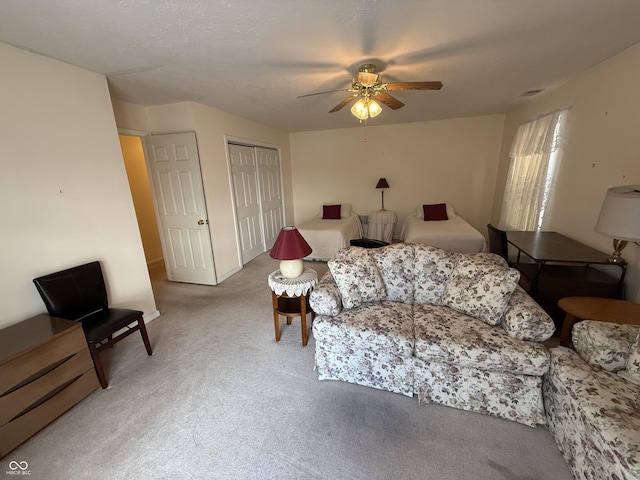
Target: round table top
x,y
601,309
294,287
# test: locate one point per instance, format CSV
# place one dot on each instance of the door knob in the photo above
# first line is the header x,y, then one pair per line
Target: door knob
x,y
202,222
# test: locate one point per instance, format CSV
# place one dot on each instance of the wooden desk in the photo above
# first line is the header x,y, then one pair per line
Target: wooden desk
x,y
45,369
563,267
600,309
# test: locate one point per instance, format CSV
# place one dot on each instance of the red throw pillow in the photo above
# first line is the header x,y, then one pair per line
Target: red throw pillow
x,y
436,211
331,212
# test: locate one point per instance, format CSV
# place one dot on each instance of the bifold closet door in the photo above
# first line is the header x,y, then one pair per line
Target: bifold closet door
x,y
257,189
271,202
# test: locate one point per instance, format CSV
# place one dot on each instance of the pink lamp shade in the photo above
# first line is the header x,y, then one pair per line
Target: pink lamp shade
x,y
290,248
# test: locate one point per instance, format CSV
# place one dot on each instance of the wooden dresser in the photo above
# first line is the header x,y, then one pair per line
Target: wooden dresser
x,y
45,369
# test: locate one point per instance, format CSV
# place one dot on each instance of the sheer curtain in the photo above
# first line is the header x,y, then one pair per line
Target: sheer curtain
x,y
534,155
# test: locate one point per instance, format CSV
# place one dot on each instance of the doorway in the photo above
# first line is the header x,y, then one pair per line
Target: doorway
x,y
166,185
142,196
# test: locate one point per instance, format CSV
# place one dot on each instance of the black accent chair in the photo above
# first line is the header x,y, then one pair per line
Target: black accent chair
x,y
79,294
498,244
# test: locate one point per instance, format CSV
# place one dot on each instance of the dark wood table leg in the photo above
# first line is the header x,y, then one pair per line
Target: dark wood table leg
x,y
276,317
565,335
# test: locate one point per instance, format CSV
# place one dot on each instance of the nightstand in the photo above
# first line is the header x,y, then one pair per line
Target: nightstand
x,y
290,298
381,224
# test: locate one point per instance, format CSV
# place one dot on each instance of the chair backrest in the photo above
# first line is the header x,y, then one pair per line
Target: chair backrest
x,y
498,241
75,292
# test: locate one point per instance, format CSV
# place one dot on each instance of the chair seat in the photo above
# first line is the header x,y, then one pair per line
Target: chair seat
x,y
103,323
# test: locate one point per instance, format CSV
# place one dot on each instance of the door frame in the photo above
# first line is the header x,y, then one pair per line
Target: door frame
x,y
250,143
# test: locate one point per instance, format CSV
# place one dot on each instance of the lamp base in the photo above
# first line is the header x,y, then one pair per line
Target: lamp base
x,y
291,268
618,246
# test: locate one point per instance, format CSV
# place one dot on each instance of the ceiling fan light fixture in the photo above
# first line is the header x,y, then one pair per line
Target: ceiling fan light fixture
x,y
365,108
374,108
360,109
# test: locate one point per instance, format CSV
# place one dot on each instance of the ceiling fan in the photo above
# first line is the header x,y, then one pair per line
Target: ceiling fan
x,y
368,85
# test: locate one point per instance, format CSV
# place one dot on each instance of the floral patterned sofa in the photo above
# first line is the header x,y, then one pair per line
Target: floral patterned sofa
x,y
453,329
592,399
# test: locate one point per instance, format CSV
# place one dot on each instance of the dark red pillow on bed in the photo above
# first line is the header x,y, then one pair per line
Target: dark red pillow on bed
x,y
331,212
436,211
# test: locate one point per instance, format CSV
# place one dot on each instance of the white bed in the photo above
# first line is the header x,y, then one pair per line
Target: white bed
x,y
326,237
454,234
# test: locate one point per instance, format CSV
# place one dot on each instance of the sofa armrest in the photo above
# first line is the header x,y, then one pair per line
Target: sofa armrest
x,y
524,319
325,298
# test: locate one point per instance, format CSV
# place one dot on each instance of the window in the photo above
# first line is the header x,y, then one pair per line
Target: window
x,y
534,155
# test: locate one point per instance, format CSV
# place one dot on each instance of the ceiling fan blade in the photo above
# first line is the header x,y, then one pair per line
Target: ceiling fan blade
x,y
328,91
344,102
388,100
414,86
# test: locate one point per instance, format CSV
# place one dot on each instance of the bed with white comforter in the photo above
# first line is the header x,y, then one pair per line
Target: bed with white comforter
x,y
328,236
454,234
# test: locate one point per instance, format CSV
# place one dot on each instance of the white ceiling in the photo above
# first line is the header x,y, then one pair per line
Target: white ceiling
x,y
253,58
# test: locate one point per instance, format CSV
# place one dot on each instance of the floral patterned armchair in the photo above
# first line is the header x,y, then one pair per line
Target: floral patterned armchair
x,y
591,397
451,328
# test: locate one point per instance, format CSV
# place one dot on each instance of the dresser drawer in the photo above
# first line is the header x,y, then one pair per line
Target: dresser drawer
x,y
24,427
35,362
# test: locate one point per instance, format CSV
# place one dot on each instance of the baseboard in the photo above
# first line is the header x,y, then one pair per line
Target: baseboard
x,y
150,317
228,274
156,262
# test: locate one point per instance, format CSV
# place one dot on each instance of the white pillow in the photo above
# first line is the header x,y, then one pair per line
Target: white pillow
x,y
345,209
420,211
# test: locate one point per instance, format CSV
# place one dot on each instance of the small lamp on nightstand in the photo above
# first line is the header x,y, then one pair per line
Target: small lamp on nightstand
x,y
620,218
382,184
290,248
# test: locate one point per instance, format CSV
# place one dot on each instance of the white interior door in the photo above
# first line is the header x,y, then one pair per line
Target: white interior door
x,y
270,194
244,177
174,167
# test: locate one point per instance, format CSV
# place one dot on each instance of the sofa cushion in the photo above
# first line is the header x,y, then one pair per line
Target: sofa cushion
x,y
396,266
632,373
524,319
604,344
357,277
384,328
444,335
432,268
480,288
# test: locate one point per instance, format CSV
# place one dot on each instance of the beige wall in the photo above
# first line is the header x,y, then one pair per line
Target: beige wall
x,y
453,161
212,128
63,185
136,167
603,150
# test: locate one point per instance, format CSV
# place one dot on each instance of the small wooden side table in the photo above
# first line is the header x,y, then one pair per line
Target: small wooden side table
x,y
291,299
594,308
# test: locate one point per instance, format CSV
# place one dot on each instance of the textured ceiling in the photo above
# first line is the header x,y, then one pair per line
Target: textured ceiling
x,y
253,58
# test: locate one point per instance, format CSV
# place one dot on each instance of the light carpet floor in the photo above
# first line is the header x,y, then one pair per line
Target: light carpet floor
x,y
221,399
